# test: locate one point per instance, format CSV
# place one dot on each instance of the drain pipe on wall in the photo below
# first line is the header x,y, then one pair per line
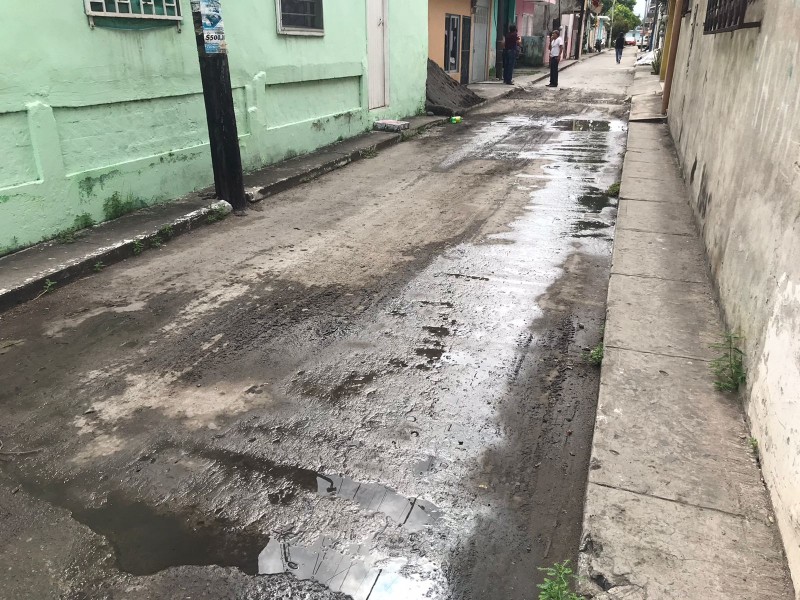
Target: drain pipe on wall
x,y
677,19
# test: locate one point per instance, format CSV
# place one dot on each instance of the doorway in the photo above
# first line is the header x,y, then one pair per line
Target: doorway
x,y
481,42
466,48
376,53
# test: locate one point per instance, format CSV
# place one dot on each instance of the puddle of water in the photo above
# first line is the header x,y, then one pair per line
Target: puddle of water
x,y
146,541
351,574
582,125
437,331
413,514
432,354
584,225
595,200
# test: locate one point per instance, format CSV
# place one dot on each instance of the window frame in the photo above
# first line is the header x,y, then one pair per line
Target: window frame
x,y
301,31
91,13
734,17
449,18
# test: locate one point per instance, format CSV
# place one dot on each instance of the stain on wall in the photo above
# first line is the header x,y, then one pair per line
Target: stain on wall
x,y
736,114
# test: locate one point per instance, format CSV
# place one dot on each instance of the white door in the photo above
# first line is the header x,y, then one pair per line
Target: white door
x,y
376,52
480,42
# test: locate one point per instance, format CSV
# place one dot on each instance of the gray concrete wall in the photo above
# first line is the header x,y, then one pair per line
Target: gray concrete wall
x,y
735,118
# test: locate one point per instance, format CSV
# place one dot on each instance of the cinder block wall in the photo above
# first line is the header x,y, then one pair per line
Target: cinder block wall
x,y
735,118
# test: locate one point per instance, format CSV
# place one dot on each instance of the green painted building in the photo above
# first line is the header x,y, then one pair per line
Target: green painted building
x,y
100,111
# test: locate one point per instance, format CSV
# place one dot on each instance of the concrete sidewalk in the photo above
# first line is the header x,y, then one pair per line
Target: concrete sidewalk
x,y
24,274
496,89
675,506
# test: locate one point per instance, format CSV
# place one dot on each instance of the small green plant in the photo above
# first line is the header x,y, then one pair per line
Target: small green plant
x,y
556,583
83,221
98,266
595,355
156,242
657,62
138,247
116,206
728,368
613,191
216,214
753,443
66,236
369,153
166,232
48,286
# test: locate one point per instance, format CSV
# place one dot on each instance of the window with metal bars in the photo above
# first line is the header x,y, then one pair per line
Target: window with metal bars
x,y
727,15
300,17
164,10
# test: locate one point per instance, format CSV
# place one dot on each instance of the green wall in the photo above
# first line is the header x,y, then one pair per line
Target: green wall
x,y
87,114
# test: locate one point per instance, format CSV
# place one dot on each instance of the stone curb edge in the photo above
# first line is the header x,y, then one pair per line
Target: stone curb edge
x,y
70,270
74,269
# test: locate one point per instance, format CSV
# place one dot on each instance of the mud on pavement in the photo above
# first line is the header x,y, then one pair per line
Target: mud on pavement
x,y
374,386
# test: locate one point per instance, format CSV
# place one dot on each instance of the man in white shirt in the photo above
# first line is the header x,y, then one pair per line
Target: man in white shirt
x,y
556,50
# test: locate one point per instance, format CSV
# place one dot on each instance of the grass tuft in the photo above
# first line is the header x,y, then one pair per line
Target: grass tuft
x,y
728,369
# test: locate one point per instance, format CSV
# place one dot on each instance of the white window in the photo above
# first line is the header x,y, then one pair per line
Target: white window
x,y
300,17
162,10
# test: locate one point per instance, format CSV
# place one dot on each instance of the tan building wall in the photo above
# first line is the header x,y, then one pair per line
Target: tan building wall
x,y
735,117
437,10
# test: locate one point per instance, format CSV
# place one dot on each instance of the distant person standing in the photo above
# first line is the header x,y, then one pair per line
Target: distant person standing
x,y
556,50
598,45
511,49
619,46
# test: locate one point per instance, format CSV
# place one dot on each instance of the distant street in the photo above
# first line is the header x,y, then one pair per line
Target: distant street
x,y
375,383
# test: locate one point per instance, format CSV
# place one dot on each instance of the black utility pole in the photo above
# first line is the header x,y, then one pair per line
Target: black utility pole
x,y
215,74
502,27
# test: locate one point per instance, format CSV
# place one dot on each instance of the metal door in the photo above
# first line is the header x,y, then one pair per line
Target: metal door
x,y
481,42
466,48
376,52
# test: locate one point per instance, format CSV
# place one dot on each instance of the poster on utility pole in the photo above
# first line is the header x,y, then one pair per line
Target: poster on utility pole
x,y
213,28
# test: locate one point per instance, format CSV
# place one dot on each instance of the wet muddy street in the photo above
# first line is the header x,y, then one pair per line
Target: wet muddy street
x,y
374,385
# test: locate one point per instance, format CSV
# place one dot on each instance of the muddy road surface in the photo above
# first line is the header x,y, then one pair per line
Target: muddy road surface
x,y
373,386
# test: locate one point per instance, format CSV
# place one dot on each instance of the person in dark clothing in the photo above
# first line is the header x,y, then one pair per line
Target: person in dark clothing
x,y
598,45
556,50
511,48
619,46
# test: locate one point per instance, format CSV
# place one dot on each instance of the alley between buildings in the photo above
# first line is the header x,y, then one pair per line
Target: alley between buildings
x,y
374,384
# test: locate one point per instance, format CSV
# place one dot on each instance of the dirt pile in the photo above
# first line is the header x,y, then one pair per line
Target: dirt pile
x,y
445,96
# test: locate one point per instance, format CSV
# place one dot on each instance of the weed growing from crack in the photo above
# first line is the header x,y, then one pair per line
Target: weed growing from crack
x,y
728,368
369,153
156,242
98,266
595,355
216,214
166,232
556,583
753,443
138,247
613,191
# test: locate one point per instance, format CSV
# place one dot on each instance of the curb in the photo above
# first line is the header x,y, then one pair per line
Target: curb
x,y
35,286
343,160
73,269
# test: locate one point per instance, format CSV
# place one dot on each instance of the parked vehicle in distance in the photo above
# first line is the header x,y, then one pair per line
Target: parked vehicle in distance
x,y
630,39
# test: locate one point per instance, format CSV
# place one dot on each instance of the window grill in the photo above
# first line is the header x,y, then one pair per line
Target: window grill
x,y
160,10
302,16
727,15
